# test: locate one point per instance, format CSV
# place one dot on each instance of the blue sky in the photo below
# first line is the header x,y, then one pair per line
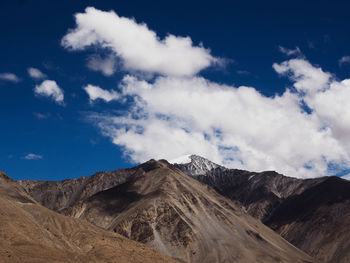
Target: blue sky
x,y
43,139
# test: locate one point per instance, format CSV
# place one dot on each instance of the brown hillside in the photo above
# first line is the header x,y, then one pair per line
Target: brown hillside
x,y
164,208
30,233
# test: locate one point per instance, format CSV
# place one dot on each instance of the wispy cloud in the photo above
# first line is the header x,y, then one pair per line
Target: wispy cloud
x,y
9,77
105,65
33,156
42,115
290,52
311,44
344,60
243,72
36,73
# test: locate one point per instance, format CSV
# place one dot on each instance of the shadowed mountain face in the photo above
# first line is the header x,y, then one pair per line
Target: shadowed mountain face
x,y
62,194
318,220
32,233
181,217
312,214
259,193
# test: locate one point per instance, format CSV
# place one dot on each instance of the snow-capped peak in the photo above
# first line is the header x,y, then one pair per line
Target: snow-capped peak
x,y
195,165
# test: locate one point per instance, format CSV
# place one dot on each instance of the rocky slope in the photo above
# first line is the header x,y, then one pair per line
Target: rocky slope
x,y
62,194
259,193
31,233
318,220
312,214
266,196
164,208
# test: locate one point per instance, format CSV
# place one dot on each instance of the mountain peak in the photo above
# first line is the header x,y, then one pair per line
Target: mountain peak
x,y
195,165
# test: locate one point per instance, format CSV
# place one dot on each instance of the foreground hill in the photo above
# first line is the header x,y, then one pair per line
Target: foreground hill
x,y
30,233
312,214
164,208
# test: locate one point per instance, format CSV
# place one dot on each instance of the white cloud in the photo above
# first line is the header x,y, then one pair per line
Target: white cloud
x,y
9,77
346,177
36,73
325,96
237,127
96,92
290,52
306,77
105,65
50,89
344,60
33,156
138,47
304,132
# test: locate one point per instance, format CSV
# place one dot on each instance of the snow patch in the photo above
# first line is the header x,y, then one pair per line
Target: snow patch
x,y
250,177
182,159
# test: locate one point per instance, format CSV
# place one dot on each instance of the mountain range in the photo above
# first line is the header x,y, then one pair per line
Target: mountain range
x,y
197,211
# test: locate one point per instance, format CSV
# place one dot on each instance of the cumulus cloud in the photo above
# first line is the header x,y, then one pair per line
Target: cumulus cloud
x,y
237,126
105,65
304,132
324,95
305,76
344,60
9,77
290,52
33,156
96,92
138,47
50,89
36,73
